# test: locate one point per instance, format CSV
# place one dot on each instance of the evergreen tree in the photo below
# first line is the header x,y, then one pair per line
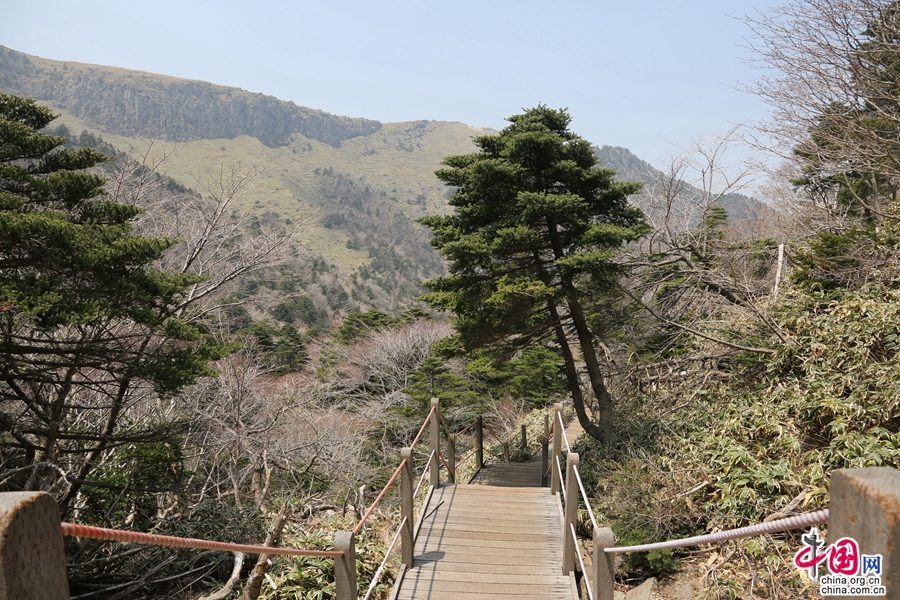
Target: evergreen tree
x,y
85,319
535,221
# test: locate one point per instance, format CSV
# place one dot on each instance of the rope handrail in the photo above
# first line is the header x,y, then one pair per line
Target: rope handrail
x,y
562,428
444,460
466,457
422,429
467,427
444,424
424,473
136,537
562,490
795,522
380,570
580,559
375,503
584,495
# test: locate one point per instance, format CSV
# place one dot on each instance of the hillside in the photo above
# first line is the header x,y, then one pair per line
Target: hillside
x,y
357,183
630,167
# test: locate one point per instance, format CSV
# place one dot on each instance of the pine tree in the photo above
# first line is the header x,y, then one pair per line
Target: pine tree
x,y
535,223
86,321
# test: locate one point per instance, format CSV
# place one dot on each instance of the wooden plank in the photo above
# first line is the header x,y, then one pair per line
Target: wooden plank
x,y
440,556
471,534
490,542
443,542
515,566
475,577
489,588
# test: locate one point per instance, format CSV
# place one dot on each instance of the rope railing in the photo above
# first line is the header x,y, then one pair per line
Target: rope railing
x,y
377,577
466,457
576,488
424,473
136,537
795,522
580,559
562,428
562,490
467,427
584,495
422,428
444,460
380,496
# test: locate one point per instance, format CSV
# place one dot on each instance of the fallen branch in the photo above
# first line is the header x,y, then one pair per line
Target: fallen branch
x,y
228,588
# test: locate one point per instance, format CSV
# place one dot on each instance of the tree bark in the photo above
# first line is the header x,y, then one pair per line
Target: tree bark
x,y
273,537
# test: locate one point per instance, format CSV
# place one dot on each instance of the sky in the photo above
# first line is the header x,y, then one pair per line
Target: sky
x,y
649,75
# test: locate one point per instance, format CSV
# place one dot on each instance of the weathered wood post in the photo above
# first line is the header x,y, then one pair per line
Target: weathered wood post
x,y
479,443
407,487
545,450
865,506
505,451
569,548
345,567
32,557
524,438
604,568
436,442
557,448
451,457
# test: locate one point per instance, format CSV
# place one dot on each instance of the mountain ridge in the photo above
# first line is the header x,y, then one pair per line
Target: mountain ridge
x,y
141,104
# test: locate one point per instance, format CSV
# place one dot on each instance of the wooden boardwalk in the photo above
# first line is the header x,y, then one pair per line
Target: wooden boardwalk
x,y
498,538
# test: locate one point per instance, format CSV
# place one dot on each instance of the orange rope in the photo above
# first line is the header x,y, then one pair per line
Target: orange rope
x,y
444,460
375,503
136,537
422,429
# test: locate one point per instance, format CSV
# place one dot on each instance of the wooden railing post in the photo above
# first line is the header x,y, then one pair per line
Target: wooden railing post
x,y
865,506
407,487
32,557
557,448
345,567
436,443
524,439
479,443
505,451
569,543
451,458
604,569
545,459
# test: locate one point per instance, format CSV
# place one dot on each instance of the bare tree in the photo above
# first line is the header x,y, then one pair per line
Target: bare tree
x,y
830,76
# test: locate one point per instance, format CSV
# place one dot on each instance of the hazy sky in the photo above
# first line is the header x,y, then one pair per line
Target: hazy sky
x,y
645,74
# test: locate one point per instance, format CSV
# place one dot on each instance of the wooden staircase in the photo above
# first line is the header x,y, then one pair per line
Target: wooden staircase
x,y
500,537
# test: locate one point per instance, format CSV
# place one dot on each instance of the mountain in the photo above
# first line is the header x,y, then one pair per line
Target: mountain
x,y
358,182
629,167
138,104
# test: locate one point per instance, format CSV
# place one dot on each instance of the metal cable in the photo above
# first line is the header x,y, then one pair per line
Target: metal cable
x,y
387,554
136,537
587,583
795,522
